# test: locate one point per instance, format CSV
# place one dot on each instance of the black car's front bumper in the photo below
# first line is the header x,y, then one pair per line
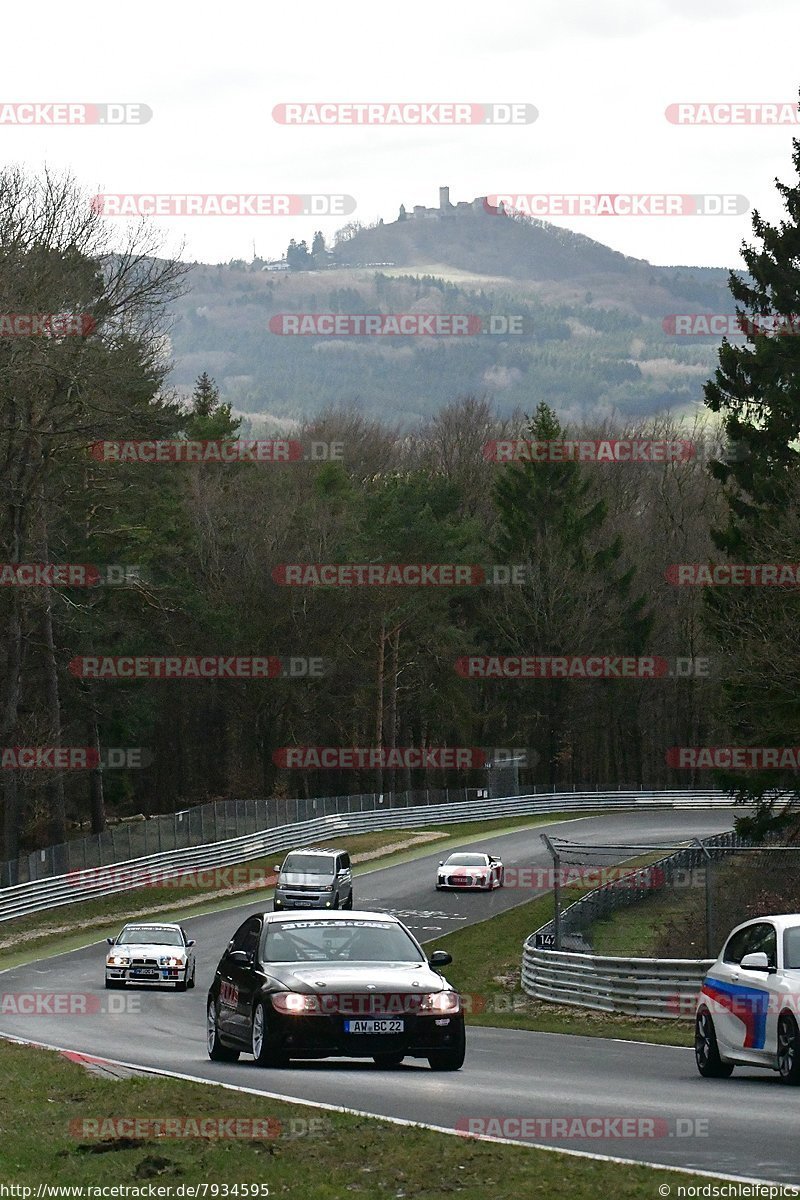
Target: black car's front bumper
x,y
325,1036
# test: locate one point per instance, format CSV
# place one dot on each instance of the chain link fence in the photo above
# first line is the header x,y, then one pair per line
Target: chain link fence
x,y
698,901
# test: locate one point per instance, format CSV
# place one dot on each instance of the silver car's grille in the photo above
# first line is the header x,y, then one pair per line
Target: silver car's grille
x,y
144,962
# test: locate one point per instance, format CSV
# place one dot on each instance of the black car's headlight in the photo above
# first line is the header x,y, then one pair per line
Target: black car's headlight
x,y
296,1004
448,1003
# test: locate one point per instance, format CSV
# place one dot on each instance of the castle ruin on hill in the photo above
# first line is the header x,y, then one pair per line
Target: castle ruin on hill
x,y
446,209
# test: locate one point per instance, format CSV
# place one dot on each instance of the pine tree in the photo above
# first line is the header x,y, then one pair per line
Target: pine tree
x,y
756,389
209,417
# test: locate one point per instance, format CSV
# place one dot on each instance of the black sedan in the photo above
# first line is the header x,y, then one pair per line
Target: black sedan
x,y
336,984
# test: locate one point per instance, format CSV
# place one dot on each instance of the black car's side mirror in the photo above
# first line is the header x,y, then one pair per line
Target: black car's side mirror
x,y
239,957
440,958
110,941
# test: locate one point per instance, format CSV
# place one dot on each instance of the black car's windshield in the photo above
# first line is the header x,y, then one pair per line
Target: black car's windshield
x,y
138,935
308,864
466,860
341,941
791,948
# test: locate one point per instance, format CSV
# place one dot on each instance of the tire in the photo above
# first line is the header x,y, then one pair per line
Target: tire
x,y
336,901
788,1049
706,1050
263,1053
191,982
451,1059
388,1060
216,1051
349,903
181,984
115,984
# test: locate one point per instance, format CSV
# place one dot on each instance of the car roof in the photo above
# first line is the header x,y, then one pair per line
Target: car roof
x,y
780,920
337,914
314,850
477,853
150,925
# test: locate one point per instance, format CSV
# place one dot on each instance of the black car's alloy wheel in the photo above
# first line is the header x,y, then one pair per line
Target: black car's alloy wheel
x,y
261,1050
706,1051
788,1049
216,1051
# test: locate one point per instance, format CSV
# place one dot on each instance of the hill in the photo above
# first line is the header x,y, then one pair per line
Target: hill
x,y
592,323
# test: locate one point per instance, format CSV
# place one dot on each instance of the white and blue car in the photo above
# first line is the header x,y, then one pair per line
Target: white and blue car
x,y
747,1010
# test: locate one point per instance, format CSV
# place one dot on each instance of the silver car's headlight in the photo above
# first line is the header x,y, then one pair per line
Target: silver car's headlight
x,y
118,960
171,960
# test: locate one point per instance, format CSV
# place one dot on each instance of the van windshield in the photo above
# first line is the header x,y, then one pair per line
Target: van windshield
x,y
308,864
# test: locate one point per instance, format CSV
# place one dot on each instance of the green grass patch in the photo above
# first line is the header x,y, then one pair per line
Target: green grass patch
x,y
42,1095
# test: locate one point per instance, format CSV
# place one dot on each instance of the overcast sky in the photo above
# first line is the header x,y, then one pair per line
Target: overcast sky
x,y
599,74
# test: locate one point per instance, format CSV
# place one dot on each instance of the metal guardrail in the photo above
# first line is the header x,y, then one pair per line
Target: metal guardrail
x,y
70,888
643,987
640,987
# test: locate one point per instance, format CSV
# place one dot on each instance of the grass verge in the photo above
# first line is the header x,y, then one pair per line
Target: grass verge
x,y
42,1094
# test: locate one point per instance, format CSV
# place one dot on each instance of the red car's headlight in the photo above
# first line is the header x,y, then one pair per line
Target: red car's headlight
x,y
441,1002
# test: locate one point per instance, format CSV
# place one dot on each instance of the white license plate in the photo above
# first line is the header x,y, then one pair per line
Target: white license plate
x,y
382,1026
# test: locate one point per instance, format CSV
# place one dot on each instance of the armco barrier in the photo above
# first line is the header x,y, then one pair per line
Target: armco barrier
x,y
640,987
79,885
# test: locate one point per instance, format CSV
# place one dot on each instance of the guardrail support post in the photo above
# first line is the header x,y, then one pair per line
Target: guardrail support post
x,y
556,889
